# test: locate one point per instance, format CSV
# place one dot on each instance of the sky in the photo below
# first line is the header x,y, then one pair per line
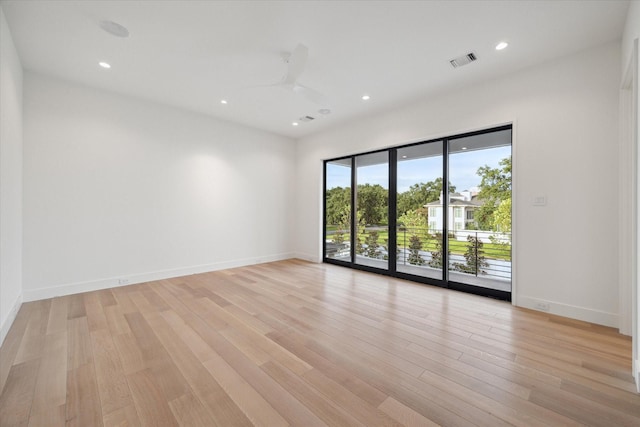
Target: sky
x,y
462,170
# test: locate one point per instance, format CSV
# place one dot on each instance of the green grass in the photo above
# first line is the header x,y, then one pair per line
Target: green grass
x,y
457,247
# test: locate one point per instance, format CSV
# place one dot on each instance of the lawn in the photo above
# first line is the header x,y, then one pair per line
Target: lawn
x,y
456,247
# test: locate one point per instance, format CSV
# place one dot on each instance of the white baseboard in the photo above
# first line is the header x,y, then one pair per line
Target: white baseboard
x,y
307,257
11,316
130,279
581,313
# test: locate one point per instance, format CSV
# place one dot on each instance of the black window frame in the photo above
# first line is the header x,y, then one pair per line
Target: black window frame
x,y
392,216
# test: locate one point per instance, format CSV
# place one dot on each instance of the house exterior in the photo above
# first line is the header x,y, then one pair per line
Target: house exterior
x,y
462,207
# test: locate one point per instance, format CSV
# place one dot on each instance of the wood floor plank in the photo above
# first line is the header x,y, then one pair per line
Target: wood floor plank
x,y
156,358
582,410
221,407
196,344
326,410
95,311
130,353
76,306
52,417
124,303
17,396
116,321
106,298
405,415
336,372
189,411
349,402
110,377
83,406
303,344
255,407
151,404
277,396
444,407
51,386
32,344
79,347
57,315
12,341
124,417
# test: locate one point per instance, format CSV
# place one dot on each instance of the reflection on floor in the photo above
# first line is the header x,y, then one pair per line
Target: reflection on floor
x,y
492,282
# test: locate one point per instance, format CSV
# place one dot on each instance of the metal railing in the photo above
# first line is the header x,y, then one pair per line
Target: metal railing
x,y
472,252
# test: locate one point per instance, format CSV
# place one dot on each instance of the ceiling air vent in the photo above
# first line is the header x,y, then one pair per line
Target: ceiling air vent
x,y
306,119
463,60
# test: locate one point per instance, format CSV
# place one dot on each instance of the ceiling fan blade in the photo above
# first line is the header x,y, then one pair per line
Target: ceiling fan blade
x,y
297,61
311,94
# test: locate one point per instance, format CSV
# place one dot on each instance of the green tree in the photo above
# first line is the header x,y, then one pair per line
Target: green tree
x,y
420,194
474,257
415,245
372,250
415,221
344,225
495,186
502,216
338,201
373,203
436,255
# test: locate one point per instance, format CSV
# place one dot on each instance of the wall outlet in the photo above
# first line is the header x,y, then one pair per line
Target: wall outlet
x,y
123,281
543,306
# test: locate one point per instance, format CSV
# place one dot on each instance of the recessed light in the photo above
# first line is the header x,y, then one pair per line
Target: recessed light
x,y
294,124
223,101
324,111
464,148
366,97
501,45
104,64
404,157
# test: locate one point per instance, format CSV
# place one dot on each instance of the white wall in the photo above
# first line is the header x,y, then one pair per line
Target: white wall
x,y
565,147
631,31
119,188
10,179
630,233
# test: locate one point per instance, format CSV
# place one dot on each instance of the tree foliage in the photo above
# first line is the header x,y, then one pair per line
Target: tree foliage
x,y
372,250
495,186
436,260
414,221
420,194
502,216
373,203
338,202
415,246
474,257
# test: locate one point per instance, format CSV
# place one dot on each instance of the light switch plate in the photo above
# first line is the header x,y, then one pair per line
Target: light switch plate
x,y
540,201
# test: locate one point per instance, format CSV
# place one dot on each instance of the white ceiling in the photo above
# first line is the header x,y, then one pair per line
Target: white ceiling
x,y
192,54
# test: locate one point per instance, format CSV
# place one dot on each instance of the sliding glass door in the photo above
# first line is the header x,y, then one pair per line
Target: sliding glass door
x,y
480,221
437,212
337,210
372,210
419,226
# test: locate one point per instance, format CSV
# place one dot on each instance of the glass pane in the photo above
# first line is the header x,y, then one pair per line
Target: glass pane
x,y
480,226
372,208
338,210
419,210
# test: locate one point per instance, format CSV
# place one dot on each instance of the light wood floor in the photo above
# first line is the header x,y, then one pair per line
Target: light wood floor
x,y
295,343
